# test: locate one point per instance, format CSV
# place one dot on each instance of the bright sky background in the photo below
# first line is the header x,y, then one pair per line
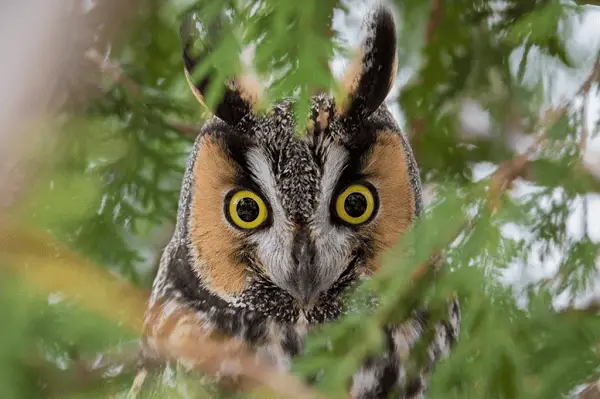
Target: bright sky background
x,y
583,46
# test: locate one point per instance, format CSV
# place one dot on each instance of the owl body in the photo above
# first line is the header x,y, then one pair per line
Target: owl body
x,y
275,226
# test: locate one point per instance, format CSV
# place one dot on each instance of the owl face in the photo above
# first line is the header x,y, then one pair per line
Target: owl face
x,y
283,222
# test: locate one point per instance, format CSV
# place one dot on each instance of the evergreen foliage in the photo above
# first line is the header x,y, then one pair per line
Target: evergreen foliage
x,y
109,192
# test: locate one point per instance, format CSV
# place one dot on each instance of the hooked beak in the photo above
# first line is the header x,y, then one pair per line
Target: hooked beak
x,y
304,281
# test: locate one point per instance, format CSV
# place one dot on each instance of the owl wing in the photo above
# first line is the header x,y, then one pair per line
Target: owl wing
x,y
259,353
380,376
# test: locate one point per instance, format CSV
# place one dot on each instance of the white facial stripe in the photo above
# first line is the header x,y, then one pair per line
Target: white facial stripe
x,y
334,164
259,165
333,245
274,245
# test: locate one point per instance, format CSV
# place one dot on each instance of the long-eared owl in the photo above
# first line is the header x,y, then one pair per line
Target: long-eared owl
x,y
274,227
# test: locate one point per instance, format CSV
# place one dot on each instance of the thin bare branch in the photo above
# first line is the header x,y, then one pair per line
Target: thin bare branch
x,y
113,70
592,391
515,167
436,14
116,74
435,17
502,178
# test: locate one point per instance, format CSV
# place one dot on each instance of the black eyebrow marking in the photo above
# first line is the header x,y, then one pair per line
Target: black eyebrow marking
x,y
236,146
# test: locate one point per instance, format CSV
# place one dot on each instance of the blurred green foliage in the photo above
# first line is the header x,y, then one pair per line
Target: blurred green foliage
x,y
112,193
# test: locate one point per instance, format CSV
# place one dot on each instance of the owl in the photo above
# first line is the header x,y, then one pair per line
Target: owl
x,y
274,227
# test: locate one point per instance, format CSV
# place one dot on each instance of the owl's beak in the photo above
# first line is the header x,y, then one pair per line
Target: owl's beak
x,y
304,284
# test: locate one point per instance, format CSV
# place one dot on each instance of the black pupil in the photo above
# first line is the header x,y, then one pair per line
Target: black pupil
x,y
247,209
355,205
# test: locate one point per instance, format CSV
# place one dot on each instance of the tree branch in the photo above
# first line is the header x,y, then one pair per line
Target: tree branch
x,y
435,17
588,2
502,178
436,14
51,267
504,175
116,74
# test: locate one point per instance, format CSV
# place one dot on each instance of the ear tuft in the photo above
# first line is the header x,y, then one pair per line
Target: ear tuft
x,y
240,94
369,78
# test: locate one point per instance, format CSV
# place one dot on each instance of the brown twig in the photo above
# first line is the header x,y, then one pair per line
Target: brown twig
x,y
210,356
138,383
584,130
513,168
591,308
582,151
505,174
508,171
113,70
83,373
436,14
186,129
324,61
116,74
592,391
435,17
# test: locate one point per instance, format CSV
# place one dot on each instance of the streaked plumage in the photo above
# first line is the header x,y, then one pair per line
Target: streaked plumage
x,y
273,227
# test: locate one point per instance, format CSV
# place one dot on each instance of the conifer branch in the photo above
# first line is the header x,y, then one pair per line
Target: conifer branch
x,y
504,175
436,15
582,151
52,267
210,356
515,167
499,182
325,61
588,2
83,374
584,129
116,74
592,391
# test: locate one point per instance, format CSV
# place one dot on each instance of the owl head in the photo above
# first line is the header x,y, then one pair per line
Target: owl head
x,y
281,222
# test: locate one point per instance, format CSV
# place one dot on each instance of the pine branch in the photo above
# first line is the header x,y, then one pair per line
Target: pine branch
x,y
582,151
588,2
54,32
85,374
513,168
591,308
592,391
51,267
436,15
325,61
504,175
207,355
116,74
502,178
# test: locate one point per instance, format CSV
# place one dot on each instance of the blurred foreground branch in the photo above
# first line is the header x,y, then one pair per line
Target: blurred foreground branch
x,y
116,74
41,74
436,15
504,175
52,268
516,167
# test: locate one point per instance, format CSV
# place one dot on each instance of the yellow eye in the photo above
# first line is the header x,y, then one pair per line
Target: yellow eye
x,y
247,210
355,204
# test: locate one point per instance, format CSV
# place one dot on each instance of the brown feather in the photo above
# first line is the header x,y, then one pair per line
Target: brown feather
x,y
388,167
213,239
